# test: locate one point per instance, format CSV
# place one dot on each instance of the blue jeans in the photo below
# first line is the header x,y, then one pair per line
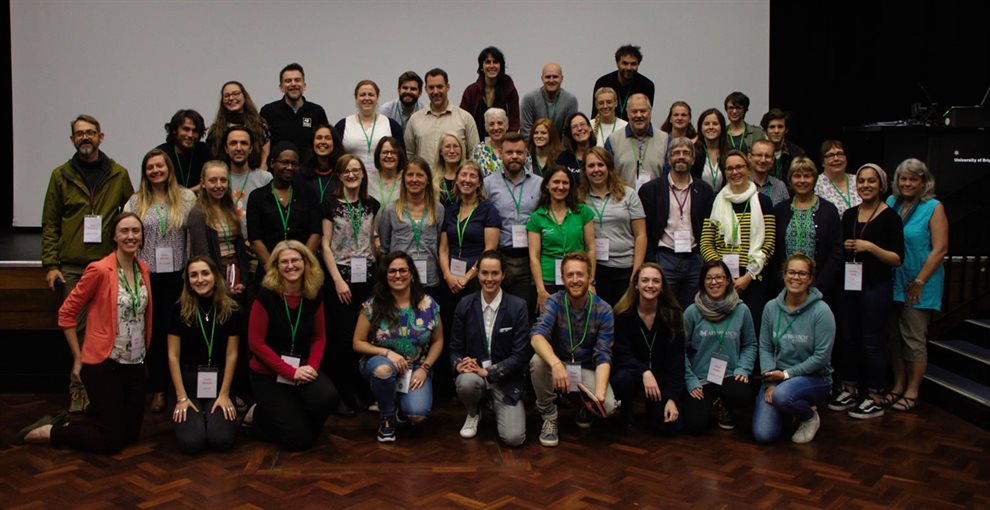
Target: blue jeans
x,y
415,404
793,397
681,271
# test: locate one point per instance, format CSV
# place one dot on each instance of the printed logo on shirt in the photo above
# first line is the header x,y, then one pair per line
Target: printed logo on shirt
x,y
307,122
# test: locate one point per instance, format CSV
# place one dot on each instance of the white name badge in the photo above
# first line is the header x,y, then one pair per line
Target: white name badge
x,y
421,269
458,267
601,248
557,278
573,376
854,276
359,269
232,277
164,261
293,362
206,382
92,229
486,364
403,381
520,239
682,241
716,369
642,179
732,260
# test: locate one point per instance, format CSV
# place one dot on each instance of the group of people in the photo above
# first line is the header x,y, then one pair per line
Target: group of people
x,y
285,269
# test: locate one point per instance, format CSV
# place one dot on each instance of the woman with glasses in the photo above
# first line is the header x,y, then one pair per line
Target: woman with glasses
x,y
834,184
488,154
383,178
237,109
739,134
400,336
795,346
721,351
578,138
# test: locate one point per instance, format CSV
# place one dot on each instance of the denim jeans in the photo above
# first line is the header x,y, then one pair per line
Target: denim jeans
x,y
793,397
681,271
415,404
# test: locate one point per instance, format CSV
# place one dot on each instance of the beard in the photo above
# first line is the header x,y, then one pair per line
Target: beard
x,y
408,99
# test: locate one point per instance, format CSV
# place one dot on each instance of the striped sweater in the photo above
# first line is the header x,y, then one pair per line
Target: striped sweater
x,y
712,242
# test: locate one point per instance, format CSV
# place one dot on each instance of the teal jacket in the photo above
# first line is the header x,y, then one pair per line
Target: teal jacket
x,y
738,344
800,340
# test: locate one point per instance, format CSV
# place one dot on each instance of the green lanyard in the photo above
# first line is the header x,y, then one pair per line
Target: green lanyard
x,y
225,230
355,220
536,165
570,334
284,214
323,187
182,174
622,105
847,198
386,199
162,212
802,228
133,293
416,230
712,168
368,137
240,193
649,343
209,340
640,152
461,228
735,222
777,333
732,139
720,337
601,212
508,187
446,191
293,328
602,133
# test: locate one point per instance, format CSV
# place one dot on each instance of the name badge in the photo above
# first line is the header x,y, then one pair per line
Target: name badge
x,y
573,376
682,241
293,362
854,276
458,267
233,276
557,279
421,269
642,179
93,229
403,381
164,261
206,382
601,248
732,260
520,239
486,364
359,269
716,369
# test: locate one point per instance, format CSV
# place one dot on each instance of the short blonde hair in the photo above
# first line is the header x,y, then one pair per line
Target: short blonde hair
x,y
312,274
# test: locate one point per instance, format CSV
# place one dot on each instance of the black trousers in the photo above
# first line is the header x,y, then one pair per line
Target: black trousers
x,y
116,409
165,290
734,395
289,415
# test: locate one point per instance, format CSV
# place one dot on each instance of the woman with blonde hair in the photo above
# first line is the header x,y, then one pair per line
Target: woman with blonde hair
x,y
606,122
450,156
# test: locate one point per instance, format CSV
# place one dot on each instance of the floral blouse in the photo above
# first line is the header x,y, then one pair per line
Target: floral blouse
x,y
412,335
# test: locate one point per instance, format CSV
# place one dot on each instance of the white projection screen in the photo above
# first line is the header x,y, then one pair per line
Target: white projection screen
x,y
133,63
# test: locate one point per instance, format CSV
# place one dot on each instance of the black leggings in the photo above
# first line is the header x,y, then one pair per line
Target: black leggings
x,y
116,409
291,415
734,395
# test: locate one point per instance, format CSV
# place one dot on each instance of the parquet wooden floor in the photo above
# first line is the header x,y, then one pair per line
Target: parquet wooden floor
x,y
927,459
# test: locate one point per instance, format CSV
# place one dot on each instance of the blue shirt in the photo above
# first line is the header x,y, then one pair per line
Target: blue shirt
x,y
596,348
917,247
504,196
472,244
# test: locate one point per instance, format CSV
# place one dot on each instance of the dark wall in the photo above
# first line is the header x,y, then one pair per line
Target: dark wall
x,y
837,64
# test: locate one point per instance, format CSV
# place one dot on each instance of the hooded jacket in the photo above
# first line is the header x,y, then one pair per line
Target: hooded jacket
x,y
800,340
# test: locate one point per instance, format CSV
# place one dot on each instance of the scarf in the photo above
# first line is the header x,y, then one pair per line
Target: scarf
x,y
717,309
728,223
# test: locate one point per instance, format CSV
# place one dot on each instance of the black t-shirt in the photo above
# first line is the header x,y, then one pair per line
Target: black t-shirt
x,y
294,126
265,213
193,351
885,230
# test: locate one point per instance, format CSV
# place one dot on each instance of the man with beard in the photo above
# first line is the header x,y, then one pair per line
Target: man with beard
x,y
639,151
676,207
84,194
515,193
184,146
762,157
293,118
626,80
243,179
425,127
573,343
399,110
550,101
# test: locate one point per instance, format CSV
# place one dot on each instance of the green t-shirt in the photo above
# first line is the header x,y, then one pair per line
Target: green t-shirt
x,y
558,240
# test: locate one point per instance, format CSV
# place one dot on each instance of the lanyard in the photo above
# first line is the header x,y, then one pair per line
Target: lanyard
x,y
283,214
240,194
178,162
508,187
293,327
640,151
680,203
802,229
570,334
461,228
720,337
162,212
623,103
133,293
777,333
355,221
736,221
536,165
712,168
416,230
445,190
847,198
601,212
209,339
386,199
649,343
602,133
742,137
867,224
368,137
225,230
323,187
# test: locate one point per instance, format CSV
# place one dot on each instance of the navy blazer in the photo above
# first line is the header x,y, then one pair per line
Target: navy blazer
x,y
510,341
655,196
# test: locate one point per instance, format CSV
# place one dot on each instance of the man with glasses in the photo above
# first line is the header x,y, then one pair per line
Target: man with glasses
x,y
638,150
762,157
84,194
676,207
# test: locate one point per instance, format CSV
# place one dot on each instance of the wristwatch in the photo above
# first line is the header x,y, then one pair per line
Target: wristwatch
x,y
428,367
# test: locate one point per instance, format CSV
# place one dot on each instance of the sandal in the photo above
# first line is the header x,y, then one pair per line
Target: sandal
x,y
890,398
904,404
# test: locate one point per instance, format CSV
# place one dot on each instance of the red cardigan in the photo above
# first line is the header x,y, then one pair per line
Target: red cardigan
x,y
98,289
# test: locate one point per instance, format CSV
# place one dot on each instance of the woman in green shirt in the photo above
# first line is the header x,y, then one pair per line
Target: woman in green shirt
x,y
558,226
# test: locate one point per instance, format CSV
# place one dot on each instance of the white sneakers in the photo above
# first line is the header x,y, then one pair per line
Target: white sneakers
x,y
470,428
807,429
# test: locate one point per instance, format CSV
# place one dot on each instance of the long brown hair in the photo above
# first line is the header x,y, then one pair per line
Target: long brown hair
x,y
616,186
189,300
667,307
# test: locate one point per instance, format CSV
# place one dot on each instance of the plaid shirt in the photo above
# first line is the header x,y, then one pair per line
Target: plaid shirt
x,y
596,348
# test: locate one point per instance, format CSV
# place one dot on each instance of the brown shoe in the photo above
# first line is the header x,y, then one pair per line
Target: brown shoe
x,y
158,403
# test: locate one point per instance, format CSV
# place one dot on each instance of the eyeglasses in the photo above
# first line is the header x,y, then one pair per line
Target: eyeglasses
x,y
290,262
801,275
833,155
736,168
398,271
389,153
231,95
719,278
90,133
350,171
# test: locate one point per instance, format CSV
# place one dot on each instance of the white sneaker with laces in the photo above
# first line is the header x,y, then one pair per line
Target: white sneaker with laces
x,y
806,430
470,427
